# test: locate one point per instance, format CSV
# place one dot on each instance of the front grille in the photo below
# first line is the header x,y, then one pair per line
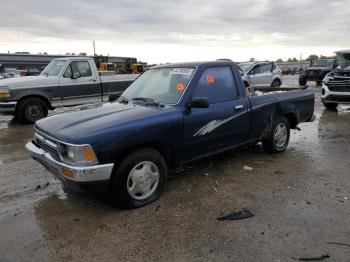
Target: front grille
x,y
340,99
47,144
339,85
313,72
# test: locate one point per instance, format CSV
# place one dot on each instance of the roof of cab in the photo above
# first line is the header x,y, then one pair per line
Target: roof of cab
x,y
195,64
74,58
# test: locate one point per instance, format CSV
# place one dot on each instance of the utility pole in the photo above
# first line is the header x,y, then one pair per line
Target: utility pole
x,y
93,43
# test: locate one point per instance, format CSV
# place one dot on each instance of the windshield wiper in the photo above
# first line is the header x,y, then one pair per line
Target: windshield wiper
x,y
146,100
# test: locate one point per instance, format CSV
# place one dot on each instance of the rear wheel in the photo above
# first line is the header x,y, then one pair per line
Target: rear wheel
x,y
139,179
279,137
276,83
332,106
31,109
302,80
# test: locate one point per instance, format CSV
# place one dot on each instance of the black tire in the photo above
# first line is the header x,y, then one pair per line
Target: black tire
x,y
119,184
269,144
331,106
302,80
276,83
319,83
31,109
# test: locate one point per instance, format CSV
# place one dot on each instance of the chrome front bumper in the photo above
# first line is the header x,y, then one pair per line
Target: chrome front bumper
x,y
8,107
80,173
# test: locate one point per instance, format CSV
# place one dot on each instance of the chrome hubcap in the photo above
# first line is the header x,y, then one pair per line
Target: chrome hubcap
x,y
280,135
143,180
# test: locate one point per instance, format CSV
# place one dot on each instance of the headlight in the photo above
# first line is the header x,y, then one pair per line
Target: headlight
x,y
78,154
4,91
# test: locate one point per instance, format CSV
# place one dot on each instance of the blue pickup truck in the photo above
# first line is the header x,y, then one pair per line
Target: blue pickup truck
x,y
170,115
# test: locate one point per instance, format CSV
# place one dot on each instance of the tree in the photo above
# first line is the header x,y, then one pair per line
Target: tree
x,y
279,60
295,59
290,60
82,54
252,59
312,57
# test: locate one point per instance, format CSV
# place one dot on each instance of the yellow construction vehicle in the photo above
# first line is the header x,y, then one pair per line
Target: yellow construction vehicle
x,y
106,67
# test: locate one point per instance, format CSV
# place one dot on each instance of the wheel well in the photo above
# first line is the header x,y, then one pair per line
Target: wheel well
x,y
163,150
43,98
246,84
291,119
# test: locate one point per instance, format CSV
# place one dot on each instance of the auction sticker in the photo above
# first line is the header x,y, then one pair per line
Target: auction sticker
x,y
181,71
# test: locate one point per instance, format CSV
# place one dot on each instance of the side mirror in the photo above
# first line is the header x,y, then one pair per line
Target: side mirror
x,y
113,97
252,72
75,75
199,102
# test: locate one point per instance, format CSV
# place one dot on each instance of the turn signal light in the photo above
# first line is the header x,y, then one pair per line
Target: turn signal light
x,y
67,172
89,154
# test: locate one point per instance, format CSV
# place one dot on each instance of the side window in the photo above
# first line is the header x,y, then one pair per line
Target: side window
x,y
216,83
265,68
257,69
68,73
81,67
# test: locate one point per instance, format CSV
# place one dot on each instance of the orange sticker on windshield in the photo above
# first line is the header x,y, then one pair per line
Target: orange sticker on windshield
x,y
180,87
210,79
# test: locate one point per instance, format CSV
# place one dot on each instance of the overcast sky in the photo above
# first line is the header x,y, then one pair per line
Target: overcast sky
x,y
181,30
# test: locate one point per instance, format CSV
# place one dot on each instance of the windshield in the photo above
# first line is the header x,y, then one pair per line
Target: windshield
x,y
54,68
323,63
245,66
344,60
163,85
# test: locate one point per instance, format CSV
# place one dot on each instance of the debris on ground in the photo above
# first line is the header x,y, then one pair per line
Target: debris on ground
x,y
236,215
41,187
248,168
215,189
320,258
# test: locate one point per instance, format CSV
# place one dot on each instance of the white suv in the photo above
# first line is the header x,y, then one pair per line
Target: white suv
x,y
261,74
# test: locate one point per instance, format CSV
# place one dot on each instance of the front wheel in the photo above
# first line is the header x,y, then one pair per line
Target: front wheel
x,y
332,106
302,80
31,109
139,179
279,137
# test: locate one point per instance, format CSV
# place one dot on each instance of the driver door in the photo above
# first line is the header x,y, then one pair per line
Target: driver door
x,y
224,123
81,90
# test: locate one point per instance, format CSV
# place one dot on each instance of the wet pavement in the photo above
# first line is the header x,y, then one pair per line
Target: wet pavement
x,y
300,199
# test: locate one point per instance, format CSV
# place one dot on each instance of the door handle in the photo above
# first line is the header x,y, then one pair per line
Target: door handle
x,y
92,80
239,107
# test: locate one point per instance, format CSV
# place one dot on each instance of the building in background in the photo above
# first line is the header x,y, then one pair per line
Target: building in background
x,y
25,61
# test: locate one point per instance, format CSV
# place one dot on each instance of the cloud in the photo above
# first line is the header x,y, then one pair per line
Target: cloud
x,y
224,23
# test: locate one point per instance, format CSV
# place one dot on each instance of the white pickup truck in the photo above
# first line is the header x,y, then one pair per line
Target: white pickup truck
x,y
65,81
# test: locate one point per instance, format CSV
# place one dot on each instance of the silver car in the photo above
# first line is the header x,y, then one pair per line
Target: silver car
x,y
261,74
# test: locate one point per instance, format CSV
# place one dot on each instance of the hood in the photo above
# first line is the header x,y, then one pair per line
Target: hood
x,y
78,126
314,68
28,81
